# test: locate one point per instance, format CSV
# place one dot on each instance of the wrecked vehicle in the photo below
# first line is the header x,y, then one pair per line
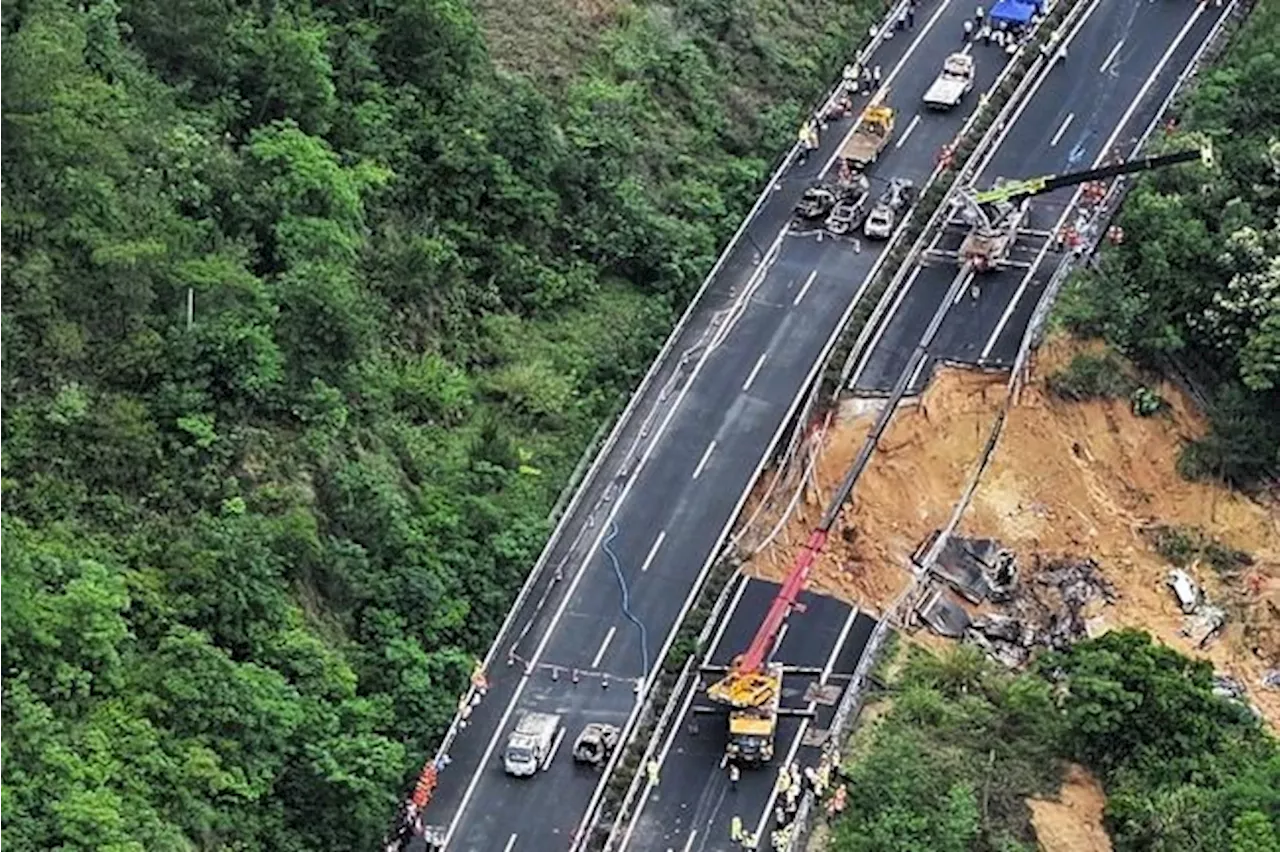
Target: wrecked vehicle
x,y
596,742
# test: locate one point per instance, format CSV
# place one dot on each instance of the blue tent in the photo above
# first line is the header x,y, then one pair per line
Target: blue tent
x,y
1014,11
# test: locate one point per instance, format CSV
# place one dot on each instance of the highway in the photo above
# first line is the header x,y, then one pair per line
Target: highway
x,y
1138,49
658,505
693,803
1123,60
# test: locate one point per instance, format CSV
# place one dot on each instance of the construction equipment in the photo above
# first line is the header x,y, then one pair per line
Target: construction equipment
x,y
596,742
995,217
752,688
869,136
532,744
752,726
953,82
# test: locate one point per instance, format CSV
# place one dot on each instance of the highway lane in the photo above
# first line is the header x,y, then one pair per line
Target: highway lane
x,y
671,499
1122,62
693,803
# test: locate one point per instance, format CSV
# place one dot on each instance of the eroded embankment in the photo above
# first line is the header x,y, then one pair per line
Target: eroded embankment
x,y
1067,479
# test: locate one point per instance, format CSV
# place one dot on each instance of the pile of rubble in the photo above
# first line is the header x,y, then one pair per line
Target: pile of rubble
x,y
1057,606
1203,621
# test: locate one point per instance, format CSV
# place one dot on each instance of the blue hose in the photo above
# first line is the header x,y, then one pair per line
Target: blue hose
x,y
626,599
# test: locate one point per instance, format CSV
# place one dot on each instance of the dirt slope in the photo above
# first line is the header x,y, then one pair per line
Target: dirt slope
x,y
1073,823
1067,479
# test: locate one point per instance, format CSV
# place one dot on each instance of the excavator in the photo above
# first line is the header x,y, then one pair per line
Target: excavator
x,y
994,217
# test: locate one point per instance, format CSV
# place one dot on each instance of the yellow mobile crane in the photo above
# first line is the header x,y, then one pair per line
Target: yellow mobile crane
x,y
995,216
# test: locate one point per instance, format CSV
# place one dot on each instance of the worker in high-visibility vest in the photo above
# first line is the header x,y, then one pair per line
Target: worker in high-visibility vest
x,y
653,773
735,829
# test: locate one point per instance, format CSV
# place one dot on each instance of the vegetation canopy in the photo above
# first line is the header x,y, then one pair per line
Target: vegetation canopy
x,y
308,313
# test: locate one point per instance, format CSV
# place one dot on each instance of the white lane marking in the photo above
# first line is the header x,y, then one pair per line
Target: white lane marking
x,y
689,843
1057,137
705,457
511,841
551,755
919,369
879,93
692,692
1103,153
653,551
782,634
751,377
1030,96
804,723
761,272
805,289
884,324
902,140
555,747
604,646
1102,69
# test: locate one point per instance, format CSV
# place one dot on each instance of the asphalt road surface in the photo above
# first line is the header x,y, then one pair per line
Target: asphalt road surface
x,y
691,807
1122,63
663,498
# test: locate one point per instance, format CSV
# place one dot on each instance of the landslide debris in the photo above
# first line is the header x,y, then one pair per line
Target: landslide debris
x,y
1073,823
1069,482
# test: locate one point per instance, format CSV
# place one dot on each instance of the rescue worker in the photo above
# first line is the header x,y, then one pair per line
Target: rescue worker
x,y
875,75
749,841
653,773
866,81
735,829
979,14
985,35
911,15
784,780
968,29
734,774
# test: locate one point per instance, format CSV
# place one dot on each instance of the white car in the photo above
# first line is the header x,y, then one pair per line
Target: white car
x,y
880,223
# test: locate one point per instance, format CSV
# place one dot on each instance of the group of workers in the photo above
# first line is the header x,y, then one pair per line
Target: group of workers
x,y
1009,35
792,784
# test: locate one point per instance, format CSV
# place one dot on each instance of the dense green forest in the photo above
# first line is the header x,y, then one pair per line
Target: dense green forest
x,y
949,766
248,557
1195,287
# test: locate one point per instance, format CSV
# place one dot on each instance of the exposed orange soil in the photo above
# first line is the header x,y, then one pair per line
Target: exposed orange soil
x,y
1073,823
1067,479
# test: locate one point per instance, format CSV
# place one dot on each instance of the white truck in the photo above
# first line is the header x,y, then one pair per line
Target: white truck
x,y
531,744
952,84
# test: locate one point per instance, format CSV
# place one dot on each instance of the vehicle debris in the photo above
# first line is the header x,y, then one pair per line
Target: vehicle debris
x,y
1185,589
596,742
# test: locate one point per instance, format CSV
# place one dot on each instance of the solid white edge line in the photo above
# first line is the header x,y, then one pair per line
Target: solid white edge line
x,y
1103,153
653,551
702,463
604,646
511,841
751,377
689,843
